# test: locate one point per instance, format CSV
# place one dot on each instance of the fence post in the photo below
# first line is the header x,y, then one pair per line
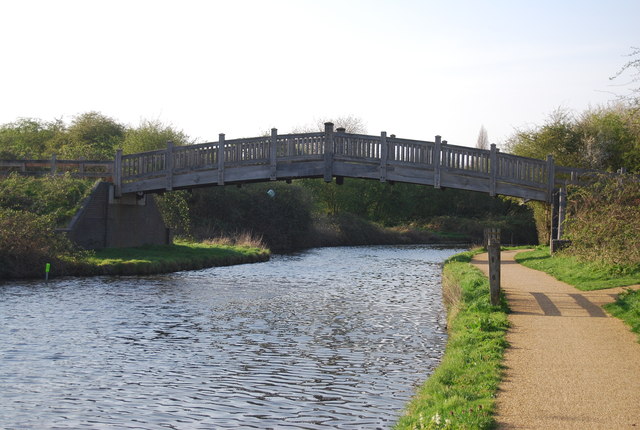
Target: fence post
x,y
384,156
221,159
273,154
493,249
437,157
493,172
328,151
117,173
169,165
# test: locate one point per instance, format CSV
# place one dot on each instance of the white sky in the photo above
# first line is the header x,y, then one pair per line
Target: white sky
x,y
413,68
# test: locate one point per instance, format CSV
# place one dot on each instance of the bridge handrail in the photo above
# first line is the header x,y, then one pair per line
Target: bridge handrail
x,y
78,168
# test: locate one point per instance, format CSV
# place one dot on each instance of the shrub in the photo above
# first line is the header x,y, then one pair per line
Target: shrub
x,y
603,221
29,241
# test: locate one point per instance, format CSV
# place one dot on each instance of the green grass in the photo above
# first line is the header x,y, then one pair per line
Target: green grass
x,y
460,393
584,276
627,308
168,258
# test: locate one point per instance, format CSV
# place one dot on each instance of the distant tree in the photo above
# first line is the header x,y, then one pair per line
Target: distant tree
x,y
91,135
29,138
351,123
483,139
150,135
632,67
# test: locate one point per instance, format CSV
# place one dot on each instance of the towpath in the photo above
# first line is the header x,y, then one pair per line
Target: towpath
x,y
569,365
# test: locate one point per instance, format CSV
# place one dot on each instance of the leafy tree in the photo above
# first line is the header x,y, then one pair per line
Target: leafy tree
x,y
29,138
150,135
91,135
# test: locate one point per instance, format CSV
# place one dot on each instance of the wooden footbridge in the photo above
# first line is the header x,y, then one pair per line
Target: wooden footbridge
x,y
118,214
335,153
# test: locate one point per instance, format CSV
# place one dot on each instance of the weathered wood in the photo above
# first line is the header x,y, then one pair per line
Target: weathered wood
x,y
328,151
221,159
273,154
437,162
494,272
493,169
384,156
550,178
169,165
562,211
117,173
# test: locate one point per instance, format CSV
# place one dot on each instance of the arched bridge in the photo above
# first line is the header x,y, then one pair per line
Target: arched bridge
x,y
338,154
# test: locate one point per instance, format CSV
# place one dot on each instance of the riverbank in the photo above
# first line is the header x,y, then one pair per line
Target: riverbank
x,y
461,391
154,259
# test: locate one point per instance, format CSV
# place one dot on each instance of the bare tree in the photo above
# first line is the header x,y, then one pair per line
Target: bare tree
x,y
632,66
351,124
483,139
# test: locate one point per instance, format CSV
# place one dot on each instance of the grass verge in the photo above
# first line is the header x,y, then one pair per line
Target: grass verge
x,y
584,276
168,258
460,393
591,276
627,308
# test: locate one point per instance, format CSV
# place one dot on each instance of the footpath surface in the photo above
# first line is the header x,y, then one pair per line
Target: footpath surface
x,y
569,365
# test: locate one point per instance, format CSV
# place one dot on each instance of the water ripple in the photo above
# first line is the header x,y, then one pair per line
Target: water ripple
x,y
329,338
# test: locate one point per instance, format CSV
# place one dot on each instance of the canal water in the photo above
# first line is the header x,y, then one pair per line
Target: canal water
x,y
328,338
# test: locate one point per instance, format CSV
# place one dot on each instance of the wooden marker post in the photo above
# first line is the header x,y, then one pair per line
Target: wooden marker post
x,y
493,247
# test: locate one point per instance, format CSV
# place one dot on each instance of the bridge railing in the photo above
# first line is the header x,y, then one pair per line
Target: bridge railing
x,y
458,166
75,168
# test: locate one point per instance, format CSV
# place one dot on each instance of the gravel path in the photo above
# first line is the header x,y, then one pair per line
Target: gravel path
x,y
569,365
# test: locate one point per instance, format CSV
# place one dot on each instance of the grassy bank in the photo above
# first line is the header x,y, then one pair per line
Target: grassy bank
x,y
163,259
591,276
583,275
460,393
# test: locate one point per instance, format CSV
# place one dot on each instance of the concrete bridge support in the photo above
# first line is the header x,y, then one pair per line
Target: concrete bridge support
x,y
107,222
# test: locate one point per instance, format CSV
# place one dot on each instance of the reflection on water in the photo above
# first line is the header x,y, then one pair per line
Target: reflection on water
x,y
330,338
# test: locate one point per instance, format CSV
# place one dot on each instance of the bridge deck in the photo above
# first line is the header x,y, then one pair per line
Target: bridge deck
x,y
329,154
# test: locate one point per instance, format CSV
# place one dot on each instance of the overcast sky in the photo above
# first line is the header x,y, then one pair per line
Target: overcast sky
x,y
412,68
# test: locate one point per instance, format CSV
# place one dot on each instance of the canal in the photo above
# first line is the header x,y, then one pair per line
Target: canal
x,y
328,338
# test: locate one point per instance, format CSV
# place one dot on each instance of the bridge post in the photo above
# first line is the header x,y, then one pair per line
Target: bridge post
x,y
551,178
54,164
328,151
169,165
221,159
384,156
273,155
117,174
493,172
437,160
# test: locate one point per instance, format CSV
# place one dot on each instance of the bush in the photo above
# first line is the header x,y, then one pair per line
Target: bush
x,y
58,197
29,241
603,221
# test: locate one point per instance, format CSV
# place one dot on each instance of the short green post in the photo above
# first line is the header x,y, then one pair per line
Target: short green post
x,y
47,268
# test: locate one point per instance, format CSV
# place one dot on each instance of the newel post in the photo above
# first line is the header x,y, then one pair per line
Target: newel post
x,y
54,163
384,156
221,159
328,151
493,169
551,178
169,165
273,154
117,173
437,162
